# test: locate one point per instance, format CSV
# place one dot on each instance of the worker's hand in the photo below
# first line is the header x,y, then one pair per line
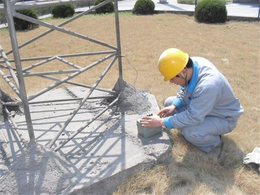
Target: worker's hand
x,y
152,121
167,111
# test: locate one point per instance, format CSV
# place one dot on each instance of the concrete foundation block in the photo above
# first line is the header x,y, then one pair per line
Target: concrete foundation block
x,y
147,131
105,154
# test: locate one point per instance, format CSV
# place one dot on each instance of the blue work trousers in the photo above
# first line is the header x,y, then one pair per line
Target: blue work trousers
x,y
205,135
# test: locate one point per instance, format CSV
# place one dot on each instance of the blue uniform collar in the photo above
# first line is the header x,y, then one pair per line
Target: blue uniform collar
x,y
191,86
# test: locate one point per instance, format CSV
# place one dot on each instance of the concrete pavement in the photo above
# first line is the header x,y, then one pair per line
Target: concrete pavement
x,y
96,161
235,11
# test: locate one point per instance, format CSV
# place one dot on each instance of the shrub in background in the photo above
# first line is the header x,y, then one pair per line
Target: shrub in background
x,y
144,7
107,8
211,11
20,24
63,11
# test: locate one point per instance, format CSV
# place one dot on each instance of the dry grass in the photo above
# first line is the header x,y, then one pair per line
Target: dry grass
x,y
233,47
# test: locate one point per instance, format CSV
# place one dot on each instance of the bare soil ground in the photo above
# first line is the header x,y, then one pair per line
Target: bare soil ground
x,y
233,47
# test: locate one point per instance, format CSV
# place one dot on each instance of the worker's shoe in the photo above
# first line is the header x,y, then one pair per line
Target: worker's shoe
x,y
216,152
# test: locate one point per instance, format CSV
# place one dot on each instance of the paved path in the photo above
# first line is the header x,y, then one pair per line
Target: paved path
x,y
241,10
236,11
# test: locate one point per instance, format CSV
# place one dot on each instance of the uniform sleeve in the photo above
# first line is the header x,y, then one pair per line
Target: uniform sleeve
x,y
201,104
178,102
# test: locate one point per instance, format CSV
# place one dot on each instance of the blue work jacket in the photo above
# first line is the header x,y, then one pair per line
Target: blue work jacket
x,y
207,94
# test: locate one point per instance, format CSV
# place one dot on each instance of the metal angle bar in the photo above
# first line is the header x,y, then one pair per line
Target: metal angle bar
x,y
55,79
15,126
51,59
62,24
69,77
19,103
38,4
29,74
11,85
82,102
11,119
118,46
2,61
39,64
57,100
80,85
64,56
9,66
12,103
60,29
69,63
83,127
22,89
51,78
69,99
51,72
35,4
4,67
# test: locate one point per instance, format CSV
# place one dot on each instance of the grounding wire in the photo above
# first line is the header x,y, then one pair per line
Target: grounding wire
x,y
144,93
136,71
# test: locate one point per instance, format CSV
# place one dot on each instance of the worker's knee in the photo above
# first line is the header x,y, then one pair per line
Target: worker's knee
x,y
198,138
169,101
191,136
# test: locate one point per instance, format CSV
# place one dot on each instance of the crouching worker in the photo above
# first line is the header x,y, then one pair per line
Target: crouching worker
x,y
204,109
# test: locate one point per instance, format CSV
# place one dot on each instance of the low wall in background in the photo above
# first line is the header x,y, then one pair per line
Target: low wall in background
x,y
246,1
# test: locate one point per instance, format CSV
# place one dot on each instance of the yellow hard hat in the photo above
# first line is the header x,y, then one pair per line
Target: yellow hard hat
x,y
171,62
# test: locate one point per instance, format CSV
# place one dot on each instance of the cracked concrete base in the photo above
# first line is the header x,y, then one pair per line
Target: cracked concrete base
x,y
96,161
